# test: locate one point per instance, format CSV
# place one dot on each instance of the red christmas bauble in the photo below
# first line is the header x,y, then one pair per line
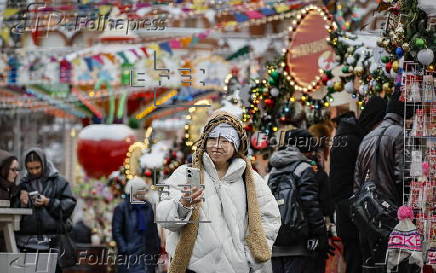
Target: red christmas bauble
x,y
269,102
102,149
248,127
148,173
325,79
388,67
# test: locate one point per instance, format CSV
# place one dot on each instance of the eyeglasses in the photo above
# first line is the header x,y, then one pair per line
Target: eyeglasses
x,y
15,169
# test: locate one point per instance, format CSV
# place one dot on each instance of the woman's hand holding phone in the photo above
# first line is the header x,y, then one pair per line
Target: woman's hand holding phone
x,y
190,198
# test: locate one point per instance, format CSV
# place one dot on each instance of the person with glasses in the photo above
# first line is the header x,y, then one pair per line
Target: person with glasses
x,y
229,223
8,174
9,169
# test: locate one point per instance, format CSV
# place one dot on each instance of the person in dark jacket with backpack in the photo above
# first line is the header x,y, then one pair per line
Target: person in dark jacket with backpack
x,y
134,230
343,156
385,170
52,198
308,249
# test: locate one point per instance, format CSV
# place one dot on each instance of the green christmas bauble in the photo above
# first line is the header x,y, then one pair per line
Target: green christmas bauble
x,y
345,69
385,59
329,74
378,87
419,42
271,81
275,74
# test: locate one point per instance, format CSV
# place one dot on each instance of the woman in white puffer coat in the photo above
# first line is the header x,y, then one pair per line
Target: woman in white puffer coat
x,y
243,214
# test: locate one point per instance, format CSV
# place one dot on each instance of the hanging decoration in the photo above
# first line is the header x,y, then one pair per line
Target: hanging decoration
x,y
101,149
309,53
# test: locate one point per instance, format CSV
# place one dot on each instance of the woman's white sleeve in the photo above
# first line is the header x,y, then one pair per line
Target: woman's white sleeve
x,y
170,213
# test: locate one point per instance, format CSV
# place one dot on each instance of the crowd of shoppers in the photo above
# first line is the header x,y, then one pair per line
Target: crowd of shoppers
x,y
232,219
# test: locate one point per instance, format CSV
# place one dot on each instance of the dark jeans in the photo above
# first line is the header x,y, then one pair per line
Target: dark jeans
x,y
189,271
350,238
298,264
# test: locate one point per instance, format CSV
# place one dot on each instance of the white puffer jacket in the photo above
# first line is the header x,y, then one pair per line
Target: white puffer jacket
x,y
220,246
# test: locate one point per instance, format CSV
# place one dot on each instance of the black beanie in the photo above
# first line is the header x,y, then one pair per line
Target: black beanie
x,y
373,113
301,139
396,106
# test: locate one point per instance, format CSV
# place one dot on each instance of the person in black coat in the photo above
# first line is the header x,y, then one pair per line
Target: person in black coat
x,y
51,196
134,230
297,258
343,156
9,168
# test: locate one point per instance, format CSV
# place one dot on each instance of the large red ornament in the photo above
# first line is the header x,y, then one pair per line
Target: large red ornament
x,y
101,149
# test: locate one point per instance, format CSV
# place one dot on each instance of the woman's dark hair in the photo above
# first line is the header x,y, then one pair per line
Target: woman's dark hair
x,y
33,156
6,165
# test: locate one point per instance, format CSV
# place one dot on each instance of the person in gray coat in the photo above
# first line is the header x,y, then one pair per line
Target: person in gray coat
x,y
387,169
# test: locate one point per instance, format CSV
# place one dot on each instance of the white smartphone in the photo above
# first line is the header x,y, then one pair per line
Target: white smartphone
x,y
193,176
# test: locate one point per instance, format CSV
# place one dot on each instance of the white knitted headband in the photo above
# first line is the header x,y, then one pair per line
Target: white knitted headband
x,y
228,132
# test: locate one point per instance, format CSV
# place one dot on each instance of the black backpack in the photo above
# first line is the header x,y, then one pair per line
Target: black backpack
x,y
294,228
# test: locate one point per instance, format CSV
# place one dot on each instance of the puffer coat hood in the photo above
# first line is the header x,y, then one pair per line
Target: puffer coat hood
x,y
285,157
48,168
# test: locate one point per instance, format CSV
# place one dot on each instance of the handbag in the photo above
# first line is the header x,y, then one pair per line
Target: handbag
x,y
66,246
373,214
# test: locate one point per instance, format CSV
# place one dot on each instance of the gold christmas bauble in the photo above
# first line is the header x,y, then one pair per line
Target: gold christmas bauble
x,y
406,47
386,87
338,86
358,70
386,42
395,66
